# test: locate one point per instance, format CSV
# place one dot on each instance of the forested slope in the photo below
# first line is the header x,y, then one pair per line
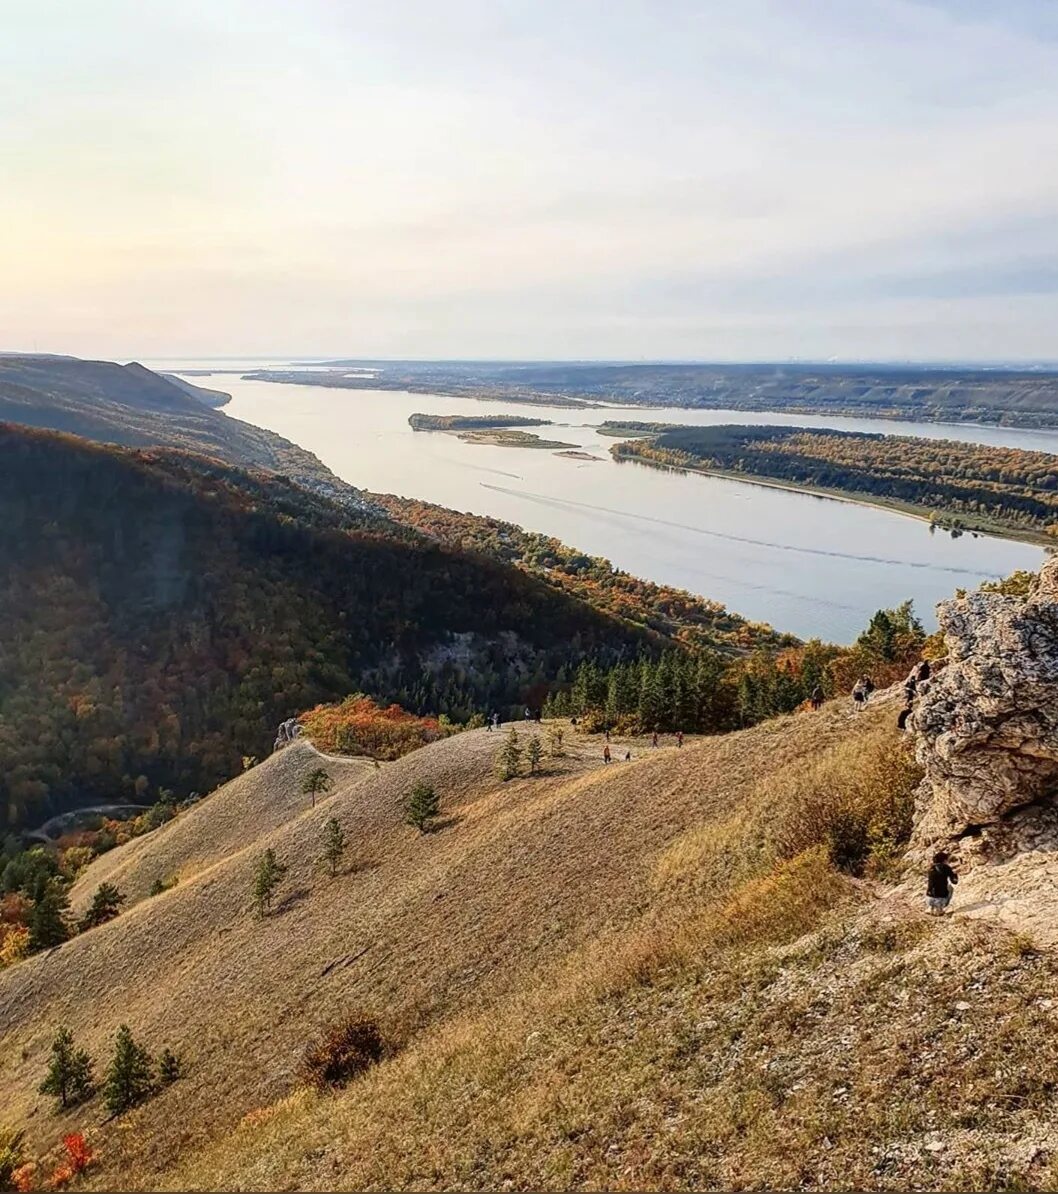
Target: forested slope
x,y
162,612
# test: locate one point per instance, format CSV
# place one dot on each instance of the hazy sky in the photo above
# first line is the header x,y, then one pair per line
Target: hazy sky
x,y
747,179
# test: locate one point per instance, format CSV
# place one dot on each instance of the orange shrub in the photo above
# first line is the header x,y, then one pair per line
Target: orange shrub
x,y
359,726
78,1157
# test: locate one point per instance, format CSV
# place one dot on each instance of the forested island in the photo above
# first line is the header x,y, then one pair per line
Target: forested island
x,y
958,486
471,422
501,431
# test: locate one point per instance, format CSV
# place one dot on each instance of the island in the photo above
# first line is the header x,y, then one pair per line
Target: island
x,y
631,427
501,431
956,486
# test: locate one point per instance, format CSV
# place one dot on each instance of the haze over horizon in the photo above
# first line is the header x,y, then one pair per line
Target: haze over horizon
x,y
670,181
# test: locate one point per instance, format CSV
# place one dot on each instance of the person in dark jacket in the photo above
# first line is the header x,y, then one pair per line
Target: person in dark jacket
x,y
817,697
939,883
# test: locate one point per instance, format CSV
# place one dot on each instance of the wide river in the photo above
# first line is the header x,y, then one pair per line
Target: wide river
x,y
811,565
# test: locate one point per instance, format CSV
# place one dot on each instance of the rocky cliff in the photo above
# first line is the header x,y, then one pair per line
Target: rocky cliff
x,y
986,727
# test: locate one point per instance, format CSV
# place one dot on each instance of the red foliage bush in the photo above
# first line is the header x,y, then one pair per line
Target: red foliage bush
x,y
359,726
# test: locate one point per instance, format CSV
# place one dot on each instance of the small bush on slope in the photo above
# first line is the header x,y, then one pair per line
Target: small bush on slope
x,y
342,1052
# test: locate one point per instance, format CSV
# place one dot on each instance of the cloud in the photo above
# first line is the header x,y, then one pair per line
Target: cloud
x,y
530,179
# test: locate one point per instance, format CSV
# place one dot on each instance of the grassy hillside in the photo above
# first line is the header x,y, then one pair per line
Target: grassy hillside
x,y
163,613
663,973
130,405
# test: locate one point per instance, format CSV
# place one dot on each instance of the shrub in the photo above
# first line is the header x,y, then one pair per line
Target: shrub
x,y
78,1157
423,805
342,1052
554,742
169,1068
359,726
856,801
14,944
10,1156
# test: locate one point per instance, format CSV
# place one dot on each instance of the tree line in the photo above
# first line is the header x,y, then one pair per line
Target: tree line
x,y
983,484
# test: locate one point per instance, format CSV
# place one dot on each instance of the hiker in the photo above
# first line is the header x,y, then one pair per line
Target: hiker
x,y
607,735
654,740
862,689
922,671
817,697
901,721
605,754
679,738
628,756
939,883
539,716
528,713
490,722
495,721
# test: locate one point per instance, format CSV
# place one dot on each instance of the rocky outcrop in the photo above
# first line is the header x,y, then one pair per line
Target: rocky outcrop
x,y
288,731
986,726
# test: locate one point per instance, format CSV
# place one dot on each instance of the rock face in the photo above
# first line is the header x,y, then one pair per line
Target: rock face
x,y
986,726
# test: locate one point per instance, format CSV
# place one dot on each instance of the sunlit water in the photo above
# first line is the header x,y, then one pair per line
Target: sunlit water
x,y
810,565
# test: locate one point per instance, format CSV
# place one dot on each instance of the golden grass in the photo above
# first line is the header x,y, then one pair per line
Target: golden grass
x,y
618,977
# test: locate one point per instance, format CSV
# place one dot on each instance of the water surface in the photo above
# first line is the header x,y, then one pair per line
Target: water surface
x,y
811,565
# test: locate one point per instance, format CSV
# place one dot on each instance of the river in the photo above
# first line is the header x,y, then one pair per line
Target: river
x,y
811,565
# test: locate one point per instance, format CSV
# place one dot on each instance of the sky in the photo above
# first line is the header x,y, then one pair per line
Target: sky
x,y
525,179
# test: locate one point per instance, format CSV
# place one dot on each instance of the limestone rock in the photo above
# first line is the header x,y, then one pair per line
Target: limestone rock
x,y
986,725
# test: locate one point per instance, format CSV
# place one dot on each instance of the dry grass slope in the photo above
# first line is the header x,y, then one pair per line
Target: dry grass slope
x,y
643,975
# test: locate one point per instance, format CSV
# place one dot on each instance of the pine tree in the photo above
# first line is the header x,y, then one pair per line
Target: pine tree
x,y
266,879
423,805
509,761
129,1077
316,781
333,844
534,754
69,1076
106,904
168,1067
554,742
47,920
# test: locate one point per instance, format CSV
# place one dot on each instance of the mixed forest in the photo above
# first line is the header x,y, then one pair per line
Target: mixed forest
x,y
163,612
961,486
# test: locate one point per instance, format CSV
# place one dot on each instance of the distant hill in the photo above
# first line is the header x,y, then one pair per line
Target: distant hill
x,y
131,405
1023,398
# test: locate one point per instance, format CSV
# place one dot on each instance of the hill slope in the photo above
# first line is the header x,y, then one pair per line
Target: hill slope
x,y
130,405
597,977
421,927
163,613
